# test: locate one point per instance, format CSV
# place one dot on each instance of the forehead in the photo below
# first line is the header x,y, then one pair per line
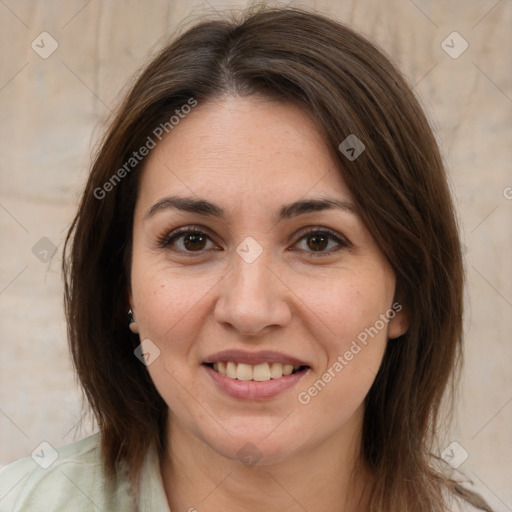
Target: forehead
x,y
244,150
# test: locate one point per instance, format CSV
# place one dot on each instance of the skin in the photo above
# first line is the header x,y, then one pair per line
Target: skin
x,y
250,156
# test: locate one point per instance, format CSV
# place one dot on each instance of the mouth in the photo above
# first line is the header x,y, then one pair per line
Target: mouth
x,y
261,375
255,372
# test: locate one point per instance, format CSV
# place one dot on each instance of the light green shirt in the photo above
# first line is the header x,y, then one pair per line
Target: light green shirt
x,y
75,482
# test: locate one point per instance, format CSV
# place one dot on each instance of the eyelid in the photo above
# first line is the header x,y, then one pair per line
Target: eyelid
x,y
341,240
322,229
164,240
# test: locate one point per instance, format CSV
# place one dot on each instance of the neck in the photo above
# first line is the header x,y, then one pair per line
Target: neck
x,y
327,477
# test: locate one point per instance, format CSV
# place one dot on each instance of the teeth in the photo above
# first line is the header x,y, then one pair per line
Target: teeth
x,y
244,371
231,370
276,370
287,369
259,372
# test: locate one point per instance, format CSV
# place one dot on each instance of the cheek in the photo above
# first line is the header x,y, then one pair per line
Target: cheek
x,y
170,312
353,336
347,308
167,304
354,349
355,312
172,309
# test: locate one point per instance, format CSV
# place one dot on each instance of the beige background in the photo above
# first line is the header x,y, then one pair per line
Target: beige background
x,y
53,109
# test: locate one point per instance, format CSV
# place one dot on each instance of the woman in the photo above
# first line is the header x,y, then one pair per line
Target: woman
x,y
270,208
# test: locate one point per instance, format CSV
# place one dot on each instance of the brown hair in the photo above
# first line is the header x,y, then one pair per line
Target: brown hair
x,y
398,182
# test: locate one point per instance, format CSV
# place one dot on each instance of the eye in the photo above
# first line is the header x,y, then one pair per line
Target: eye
x,y
192,240
318,240
189,239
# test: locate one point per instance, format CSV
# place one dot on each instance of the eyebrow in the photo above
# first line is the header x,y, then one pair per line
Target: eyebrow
x,y
287,211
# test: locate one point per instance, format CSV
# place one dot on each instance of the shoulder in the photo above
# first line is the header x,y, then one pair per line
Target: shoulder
x,y
66,478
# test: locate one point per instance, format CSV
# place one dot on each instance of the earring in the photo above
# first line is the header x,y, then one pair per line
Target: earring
x,y
132,324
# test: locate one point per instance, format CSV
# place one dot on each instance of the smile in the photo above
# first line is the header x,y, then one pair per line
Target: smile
x,y
258,372
252,389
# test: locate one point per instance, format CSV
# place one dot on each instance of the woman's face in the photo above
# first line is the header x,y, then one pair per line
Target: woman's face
x,y
269,283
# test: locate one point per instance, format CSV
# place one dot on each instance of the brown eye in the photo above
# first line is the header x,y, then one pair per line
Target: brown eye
x,y
322,242
317,242
185,240
194,242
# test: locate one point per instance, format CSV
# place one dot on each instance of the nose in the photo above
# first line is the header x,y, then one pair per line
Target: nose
x,y
253,298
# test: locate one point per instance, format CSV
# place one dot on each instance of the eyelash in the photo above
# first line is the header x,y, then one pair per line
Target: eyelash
x,y
167,239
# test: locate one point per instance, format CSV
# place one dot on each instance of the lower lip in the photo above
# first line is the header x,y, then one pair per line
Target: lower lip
x,y
253,390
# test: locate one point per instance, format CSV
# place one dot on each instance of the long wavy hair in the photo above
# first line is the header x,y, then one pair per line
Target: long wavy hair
x,y
399,183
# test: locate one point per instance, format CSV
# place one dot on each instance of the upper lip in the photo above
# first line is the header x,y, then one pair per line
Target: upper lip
x,y
253,358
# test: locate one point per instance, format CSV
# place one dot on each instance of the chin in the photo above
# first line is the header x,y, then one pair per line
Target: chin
x,y
261,449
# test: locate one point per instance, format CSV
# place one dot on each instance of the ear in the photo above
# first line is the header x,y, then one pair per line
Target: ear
x,y
399,323
133,324
134,327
